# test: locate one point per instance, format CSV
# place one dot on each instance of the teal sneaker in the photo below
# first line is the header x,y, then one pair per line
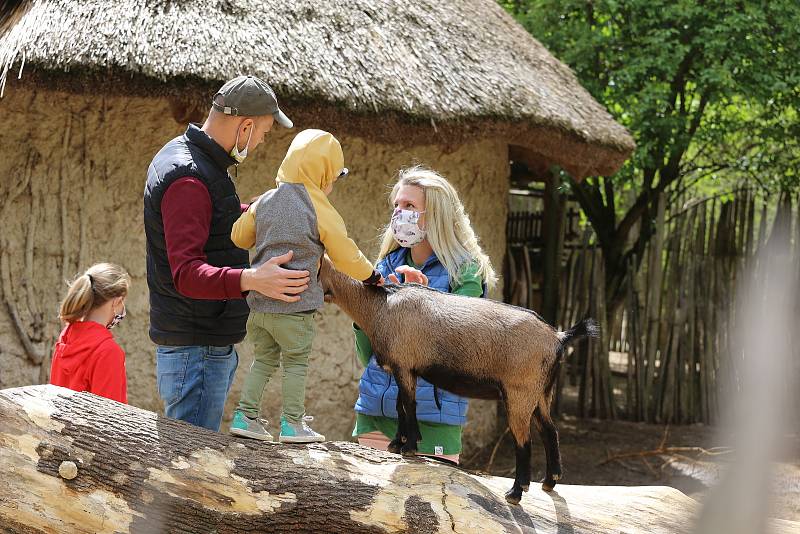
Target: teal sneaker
x,y
247,427
299,432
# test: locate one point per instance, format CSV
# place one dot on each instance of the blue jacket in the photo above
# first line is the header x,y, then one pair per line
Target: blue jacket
x,y
377,389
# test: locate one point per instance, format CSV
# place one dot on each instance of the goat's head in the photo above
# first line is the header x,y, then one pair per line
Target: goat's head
x,y
342,290
329,278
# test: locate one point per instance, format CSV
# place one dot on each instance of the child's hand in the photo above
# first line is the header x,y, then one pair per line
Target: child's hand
x,y
375,280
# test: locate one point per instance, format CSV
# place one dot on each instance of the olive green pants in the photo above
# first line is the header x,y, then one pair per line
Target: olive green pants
x,y
279,339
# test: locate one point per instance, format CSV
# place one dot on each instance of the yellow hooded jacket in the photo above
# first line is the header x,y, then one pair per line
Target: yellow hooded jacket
x,y
314,161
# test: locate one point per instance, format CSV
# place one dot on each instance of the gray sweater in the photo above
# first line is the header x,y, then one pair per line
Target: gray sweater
x,y
286,220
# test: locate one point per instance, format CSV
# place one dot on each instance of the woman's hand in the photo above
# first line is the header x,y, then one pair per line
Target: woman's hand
x,y
412,276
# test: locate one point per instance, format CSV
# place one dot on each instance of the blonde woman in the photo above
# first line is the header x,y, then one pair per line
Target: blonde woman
x,y
429,241
86,357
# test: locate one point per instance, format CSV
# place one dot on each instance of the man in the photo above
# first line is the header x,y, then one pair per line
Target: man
x,y
196,275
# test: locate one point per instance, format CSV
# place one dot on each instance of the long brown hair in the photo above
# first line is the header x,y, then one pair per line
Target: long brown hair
x,y
99,284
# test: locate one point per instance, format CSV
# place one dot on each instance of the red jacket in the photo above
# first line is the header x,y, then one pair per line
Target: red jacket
x,y
87,358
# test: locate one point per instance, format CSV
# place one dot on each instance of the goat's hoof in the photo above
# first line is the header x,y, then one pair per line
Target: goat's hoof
x,y
514,495
395,446
408,450
548,484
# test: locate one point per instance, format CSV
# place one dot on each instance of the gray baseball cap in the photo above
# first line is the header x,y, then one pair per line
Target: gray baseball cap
x,y
248,96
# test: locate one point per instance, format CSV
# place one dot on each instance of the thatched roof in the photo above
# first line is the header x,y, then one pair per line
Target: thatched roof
x,y
454,66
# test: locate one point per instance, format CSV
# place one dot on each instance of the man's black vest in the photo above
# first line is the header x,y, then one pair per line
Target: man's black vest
x,y
175,319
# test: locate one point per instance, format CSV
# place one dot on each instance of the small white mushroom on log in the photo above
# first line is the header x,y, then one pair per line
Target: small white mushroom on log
x,y
139,472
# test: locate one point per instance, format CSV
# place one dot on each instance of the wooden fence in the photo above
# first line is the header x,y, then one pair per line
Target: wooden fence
x,y
667,356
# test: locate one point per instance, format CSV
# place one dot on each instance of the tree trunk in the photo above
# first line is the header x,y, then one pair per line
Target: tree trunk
x,y
653,313
78,463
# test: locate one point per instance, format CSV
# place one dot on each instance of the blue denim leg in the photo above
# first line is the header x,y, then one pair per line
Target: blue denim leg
x,y
193,382
219,368
172,371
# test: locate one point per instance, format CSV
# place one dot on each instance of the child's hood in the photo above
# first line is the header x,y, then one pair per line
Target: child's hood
x,y
314,158
78,342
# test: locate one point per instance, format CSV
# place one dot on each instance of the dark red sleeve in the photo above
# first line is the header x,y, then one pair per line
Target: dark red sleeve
x,y
108,376
186,212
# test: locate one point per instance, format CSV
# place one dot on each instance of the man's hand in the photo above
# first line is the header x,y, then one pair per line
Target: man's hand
x,y
273,281
412,276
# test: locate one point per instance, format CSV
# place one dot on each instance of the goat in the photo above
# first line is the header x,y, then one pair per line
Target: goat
x,y
473,347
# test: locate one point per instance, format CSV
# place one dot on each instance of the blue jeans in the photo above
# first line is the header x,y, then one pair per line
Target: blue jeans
x,y
193,382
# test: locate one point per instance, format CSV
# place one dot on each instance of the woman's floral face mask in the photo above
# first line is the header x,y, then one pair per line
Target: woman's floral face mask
x,y
405,227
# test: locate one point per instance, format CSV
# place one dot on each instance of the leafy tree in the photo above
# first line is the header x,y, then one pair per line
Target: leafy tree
x,y
705,87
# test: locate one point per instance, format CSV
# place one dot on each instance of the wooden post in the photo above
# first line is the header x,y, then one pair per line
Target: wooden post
x,y
568,315
581,291
526,264
586,394
605,388
706,291
748,241
553,233
632,318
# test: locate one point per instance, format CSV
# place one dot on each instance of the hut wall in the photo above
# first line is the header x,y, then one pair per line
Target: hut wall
x,y
73,170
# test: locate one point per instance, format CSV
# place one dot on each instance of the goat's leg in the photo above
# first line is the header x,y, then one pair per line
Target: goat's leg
x,y
407,399
519,421
549,434
401,435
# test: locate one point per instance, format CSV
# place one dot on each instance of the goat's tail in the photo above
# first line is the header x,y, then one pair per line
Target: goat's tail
x,y
588,327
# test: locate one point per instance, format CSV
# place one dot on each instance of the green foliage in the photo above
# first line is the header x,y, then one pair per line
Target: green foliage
x,y
710,90
678,72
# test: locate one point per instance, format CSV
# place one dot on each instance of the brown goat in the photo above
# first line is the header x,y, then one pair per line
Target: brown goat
x,y
473,347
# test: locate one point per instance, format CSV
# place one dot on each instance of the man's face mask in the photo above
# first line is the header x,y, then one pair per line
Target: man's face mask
x,y
118,317
405,227
235,154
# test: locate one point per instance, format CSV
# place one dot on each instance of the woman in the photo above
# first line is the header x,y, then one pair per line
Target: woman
x,y
428,241
86,357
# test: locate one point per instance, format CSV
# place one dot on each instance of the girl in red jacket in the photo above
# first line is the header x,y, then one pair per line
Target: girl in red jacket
x,y
86,357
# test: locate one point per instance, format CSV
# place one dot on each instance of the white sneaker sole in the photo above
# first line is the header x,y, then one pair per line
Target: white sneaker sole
x,y
247,434
301,439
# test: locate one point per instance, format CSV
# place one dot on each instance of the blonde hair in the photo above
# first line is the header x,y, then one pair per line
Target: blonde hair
x,y
447,226
99,284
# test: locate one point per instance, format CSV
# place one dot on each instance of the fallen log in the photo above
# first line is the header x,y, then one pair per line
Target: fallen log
x,y
78,463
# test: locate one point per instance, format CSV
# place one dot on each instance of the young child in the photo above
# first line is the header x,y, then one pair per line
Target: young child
x,y
86,357
295,216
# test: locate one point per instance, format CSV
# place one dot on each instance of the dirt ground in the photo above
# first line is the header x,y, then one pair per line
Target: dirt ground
x,y
586,444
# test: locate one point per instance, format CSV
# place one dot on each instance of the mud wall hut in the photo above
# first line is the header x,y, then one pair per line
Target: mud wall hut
x,y
92,89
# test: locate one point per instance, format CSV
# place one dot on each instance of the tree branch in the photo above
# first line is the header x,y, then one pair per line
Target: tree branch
x,y
592,204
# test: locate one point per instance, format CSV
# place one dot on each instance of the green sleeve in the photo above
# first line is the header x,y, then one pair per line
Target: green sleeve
x,y
363,346
470,283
